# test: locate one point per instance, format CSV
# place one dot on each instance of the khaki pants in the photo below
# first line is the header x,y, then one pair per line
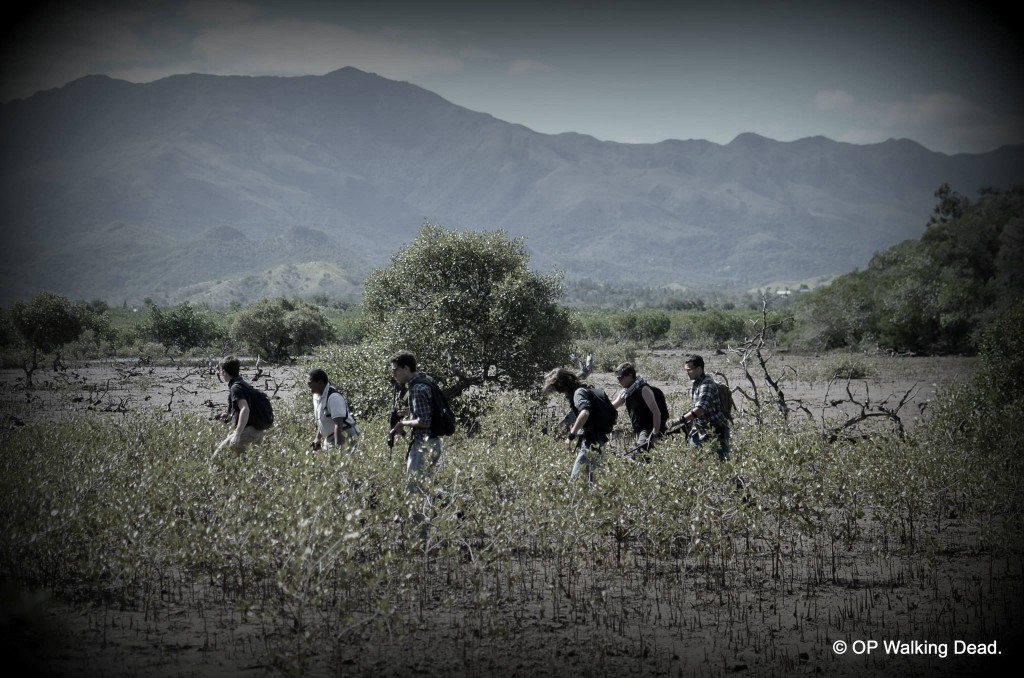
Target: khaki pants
x,y
349,440
248,436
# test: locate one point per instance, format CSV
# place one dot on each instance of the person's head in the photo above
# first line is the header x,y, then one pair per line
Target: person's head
x,y
317,381
561,381
694,367
626,374
403,366
230,367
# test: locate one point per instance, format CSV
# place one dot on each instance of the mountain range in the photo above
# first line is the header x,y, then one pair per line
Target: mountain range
x,y
175,188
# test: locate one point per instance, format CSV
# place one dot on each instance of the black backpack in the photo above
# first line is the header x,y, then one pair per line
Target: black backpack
x,y
261,413
442,421
603,414
659,398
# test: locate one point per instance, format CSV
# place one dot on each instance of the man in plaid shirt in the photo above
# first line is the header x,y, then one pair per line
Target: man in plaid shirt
x,y
706,412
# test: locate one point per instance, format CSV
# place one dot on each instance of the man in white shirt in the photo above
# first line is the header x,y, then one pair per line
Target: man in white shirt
x,y
336,427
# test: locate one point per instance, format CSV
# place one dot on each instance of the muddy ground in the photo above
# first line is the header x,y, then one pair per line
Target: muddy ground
x,y
650,618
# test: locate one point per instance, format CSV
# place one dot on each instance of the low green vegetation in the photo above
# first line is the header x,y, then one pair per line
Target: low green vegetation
x,y
321,551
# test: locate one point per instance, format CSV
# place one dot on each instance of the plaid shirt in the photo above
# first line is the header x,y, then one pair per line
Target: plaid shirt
x,y
420,405
704,392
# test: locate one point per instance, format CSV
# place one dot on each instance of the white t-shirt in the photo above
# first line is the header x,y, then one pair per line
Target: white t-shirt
x,y
335,404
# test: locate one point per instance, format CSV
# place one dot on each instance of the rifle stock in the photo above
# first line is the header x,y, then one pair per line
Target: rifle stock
x,y
395,416
675,427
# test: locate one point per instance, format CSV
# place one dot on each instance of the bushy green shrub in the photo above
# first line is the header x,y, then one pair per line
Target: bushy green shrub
x,y
278,329
608,354
182,327
712,327
471,310
846,366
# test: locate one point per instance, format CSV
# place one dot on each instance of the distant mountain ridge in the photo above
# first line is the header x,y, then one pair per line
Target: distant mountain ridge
x,y
121,190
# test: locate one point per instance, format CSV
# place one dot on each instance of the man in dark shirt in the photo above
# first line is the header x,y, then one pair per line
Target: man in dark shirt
x,y
641,405
244,433
583,435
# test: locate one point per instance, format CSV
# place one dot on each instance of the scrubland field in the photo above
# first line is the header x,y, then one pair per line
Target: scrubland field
x,y
129,550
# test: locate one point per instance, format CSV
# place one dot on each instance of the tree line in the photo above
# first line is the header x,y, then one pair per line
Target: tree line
x,y
469,304
931,295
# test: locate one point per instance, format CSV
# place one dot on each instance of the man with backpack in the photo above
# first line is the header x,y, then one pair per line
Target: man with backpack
x,y
248,407
428,416
706,414
645,404
335,423
594,419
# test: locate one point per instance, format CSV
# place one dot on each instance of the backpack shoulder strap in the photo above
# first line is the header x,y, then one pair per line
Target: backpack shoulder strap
x,y
327,403
246,389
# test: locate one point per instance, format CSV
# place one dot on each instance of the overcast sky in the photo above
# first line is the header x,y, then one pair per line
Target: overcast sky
x,y
945,74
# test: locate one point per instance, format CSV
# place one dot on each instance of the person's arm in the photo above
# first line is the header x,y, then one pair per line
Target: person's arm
x,y
577,426
582,405
317,440
243,417
581,421
337,404
339,425
698,410
419,407
652,404
620,399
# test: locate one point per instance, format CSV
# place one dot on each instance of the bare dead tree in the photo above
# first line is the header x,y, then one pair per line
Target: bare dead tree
x,y
864,410
180,388
30,364
756,357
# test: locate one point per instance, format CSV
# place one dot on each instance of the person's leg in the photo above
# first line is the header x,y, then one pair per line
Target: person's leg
x,y
423,457
414,467
580,462
587,459
641,446
594,456
248,437
351,440
694,440
434,445
723,445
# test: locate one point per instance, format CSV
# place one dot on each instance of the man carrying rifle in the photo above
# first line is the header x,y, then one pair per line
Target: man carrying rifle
x,y
425,448
706,415
646,406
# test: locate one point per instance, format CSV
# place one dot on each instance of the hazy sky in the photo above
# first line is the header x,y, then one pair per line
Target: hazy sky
x,y
945,74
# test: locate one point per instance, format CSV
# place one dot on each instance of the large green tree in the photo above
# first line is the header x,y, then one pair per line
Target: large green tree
x,y
182,327
46,324
278,329
933,294
468,305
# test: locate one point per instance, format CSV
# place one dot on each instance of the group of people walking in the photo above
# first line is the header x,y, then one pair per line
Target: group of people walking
x,y
592,414
335,423
705,422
